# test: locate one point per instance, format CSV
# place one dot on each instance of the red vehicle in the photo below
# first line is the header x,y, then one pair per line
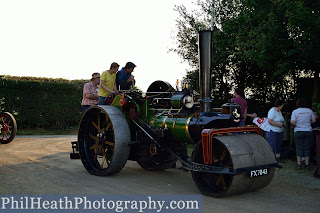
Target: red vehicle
x,y
8,127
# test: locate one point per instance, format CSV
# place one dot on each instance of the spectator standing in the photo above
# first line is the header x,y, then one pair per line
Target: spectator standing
x,y
317,123
90,92
107,83
124,77
276,124
301,119
239,99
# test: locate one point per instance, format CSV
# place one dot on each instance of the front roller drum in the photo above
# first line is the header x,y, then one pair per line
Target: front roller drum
x,y
103,139
235,152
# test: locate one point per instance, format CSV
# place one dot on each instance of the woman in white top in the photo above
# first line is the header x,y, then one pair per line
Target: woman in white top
x,y
276,124
301,120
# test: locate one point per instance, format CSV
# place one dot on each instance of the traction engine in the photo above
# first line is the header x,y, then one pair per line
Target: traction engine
x,y
154,130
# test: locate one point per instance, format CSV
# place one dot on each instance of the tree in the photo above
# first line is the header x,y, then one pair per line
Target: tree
x,y
260,45
304,27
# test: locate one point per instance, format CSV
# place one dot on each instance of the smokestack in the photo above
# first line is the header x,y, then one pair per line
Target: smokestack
x,y
205,69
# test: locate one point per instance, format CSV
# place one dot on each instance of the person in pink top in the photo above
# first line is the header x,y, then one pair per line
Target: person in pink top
x,y
90,92
239,99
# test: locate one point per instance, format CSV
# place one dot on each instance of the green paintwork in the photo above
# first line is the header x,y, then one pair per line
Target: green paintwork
x,y
178,126
144,109
116,102
176,101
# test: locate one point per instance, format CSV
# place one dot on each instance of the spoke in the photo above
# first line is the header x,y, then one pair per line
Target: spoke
x,y
223,182
95,149
223,154
96,139
93,137
107,160
95,125
108,127
221,179
109,143
217,182
108,119
214,157
5,134
8,131
99,123
103,159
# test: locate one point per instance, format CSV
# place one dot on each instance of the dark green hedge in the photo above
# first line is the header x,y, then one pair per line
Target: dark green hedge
x,y
42,102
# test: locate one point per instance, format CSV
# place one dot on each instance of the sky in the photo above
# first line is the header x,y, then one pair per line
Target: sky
x,y
72,39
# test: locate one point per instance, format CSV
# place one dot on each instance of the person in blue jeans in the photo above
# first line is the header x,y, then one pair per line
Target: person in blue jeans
x,y
276,124
301,119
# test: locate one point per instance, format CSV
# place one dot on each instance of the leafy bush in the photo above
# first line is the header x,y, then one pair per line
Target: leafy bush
x,y
316,107
42,102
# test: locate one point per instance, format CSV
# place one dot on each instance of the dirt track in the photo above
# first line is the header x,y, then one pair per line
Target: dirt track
x,y
41,165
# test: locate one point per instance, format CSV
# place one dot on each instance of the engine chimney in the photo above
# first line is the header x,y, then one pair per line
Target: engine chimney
x,y
205,69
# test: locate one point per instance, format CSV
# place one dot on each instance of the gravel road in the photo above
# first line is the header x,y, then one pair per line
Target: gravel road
x,y
41,165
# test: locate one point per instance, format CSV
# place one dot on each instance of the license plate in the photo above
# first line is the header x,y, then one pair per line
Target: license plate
x,y
258,172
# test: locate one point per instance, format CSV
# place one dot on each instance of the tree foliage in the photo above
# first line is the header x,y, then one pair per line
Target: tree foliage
x,y
259,45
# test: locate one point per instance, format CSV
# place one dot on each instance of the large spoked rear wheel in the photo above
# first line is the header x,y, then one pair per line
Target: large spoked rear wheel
x,y
8,127
212,184
103,140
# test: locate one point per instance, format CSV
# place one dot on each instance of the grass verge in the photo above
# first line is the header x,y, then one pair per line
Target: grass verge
x,y
290,165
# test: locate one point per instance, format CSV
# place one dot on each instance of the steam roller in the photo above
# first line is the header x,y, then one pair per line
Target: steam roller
x,y
154,130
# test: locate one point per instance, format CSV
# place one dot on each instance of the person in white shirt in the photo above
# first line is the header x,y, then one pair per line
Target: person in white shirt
x,y
301,119
276,124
